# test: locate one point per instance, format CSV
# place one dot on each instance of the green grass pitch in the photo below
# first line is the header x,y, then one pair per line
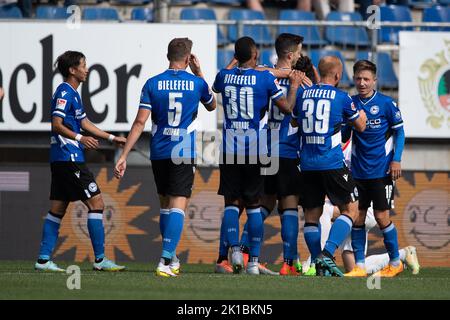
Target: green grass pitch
x,y
18,280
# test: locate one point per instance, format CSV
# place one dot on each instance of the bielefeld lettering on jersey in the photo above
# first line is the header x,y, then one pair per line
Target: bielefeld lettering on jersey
x,y
288,142
320,111
173,97
373,148
66,103
245,98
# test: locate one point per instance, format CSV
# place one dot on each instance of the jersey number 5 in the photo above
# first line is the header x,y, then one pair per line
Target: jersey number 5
x,y
175,108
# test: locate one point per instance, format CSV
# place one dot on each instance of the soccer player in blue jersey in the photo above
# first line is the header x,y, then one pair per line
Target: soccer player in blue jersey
x,y
71,179
319,112
376,157
245,95
172,99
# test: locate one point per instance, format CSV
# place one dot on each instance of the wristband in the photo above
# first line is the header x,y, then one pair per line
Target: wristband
x,y
78,137
111,138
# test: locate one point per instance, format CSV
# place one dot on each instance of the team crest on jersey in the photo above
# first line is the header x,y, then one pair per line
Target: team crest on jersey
x,y
353,107
435,89
374,110
92,187
61,104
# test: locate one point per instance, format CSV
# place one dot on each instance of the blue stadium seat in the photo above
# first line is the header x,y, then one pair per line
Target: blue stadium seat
x,y
436,14
444,2
420,4
266,56
260,34
227,2
316,55
52,12
354,36
224,57
100,14
393,13
311,35
385,73
10,12
142,14
203,14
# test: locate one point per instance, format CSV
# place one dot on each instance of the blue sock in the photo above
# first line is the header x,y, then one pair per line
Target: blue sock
x,y
340,230
50,234
255,230
97,232
231,221
359,236
289,233
163,217
223,244
172,234
391,243
244,237
311,233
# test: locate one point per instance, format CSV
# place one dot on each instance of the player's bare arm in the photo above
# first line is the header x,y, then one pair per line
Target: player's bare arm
x,y
286,105
59,128
93,129
194,65
133,136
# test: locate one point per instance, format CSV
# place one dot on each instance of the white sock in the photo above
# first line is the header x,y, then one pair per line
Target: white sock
x,y
402,253
376,262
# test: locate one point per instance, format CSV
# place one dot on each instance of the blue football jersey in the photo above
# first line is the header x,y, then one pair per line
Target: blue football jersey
x,y
173,97
373,149
245,99
320,111
67,104
280,123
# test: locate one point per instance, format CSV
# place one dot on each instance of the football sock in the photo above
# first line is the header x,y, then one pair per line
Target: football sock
x,y
391,244
231,224
339,231
289,233
359,236
172,233
50,234
163,217
255,230
311,233
244,237
97,232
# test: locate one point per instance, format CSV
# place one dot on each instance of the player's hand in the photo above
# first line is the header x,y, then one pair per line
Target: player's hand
x,y
89,142
120,141
296,78
119,169
2,93
233,63
395,169
194,64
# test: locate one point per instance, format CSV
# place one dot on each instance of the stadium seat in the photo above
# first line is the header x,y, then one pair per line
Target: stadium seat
x,y
203,14
420,4
101,14
142,14
444,2
393,13
436,14
311,35
52,12
267,57
260,34
354,36
316,55
10,12
227,2
223,58
385,73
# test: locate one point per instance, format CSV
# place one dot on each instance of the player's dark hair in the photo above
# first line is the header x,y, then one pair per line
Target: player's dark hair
x,y
305,65
363,65
243,49
178,49
69,59
287,42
